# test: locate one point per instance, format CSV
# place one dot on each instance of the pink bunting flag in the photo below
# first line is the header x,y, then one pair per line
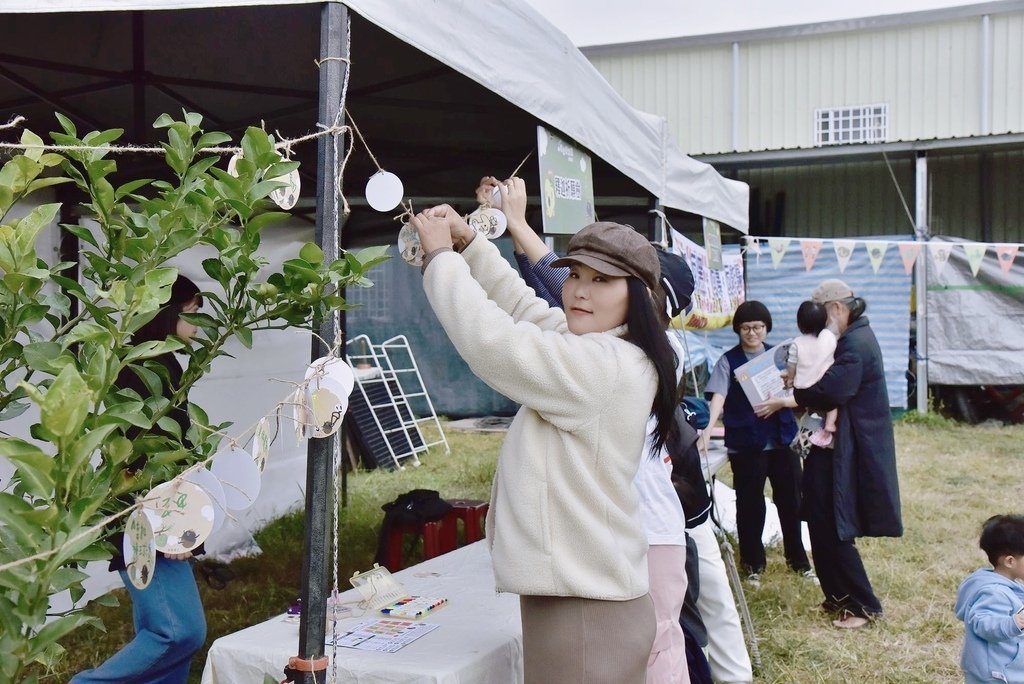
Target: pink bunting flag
x,y
909,252
810,248
1006,254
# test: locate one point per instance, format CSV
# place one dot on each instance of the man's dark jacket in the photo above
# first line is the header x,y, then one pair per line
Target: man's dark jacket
x,y
865,487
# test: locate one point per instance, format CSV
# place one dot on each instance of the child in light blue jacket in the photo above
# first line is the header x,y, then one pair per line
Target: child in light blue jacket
x,y
991,604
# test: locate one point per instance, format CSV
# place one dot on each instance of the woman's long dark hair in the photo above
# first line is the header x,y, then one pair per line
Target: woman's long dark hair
x,y
647,331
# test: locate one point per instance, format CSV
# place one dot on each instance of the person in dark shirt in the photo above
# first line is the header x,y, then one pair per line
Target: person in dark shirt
x,y
170,626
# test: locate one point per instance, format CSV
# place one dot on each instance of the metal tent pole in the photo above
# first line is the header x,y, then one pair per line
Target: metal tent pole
x,y
316,570
922,234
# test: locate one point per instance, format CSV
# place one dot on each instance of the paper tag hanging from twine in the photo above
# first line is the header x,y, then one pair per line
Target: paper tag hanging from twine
x,y
489,222
139,549
409,246
181,514
384,191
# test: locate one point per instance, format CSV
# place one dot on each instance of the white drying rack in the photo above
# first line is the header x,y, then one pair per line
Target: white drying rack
x,y
391,367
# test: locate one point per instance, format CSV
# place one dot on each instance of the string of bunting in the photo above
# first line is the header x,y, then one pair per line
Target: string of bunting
x,y
909,250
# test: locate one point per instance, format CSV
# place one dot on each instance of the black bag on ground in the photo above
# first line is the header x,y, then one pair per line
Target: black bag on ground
x,y
415,507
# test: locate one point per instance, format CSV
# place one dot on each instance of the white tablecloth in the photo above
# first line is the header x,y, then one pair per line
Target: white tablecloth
x,y
479,640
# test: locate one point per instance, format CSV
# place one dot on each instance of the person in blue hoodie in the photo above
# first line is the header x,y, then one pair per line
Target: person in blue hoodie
x,y
991,604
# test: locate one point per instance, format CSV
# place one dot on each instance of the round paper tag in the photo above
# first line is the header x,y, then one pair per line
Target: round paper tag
x,y
214,489
239,476
330,381
300,414
261,444
181,514
139,549
490,223
233,164
409,246
288,196
496,197
384,191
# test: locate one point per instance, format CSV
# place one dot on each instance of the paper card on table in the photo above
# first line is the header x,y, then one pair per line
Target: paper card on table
x,y
385,636
760,379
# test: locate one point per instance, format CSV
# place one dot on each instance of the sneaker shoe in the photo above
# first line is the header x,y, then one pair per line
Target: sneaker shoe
x,y
810,577
754,580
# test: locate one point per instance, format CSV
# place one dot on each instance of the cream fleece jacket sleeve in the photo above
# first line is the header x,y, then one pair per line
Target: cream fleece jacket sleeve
x,y
569,379
506,288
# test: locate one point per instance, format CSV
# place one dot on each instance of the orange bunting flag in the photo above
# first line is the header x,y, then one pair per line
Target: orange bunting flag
x,y
909,252
844,250
810,249
1006,254
778,247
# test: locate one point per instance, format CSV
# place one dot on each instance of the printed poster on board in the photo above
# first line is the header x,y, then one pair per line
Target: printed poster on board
x,y
716,293
567,184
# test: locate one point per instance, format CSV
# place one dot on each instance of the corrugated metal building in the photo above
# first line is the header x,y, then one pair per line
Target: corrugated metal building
x,y
807,115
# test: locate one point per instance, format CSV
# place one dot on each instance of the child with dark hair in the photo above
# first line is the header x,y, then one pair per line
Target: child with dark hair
x,y
810,355
990,602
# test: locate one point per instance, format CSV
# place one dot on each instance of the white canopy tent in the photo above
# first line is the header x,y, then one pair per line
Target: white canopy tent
x,y
514,52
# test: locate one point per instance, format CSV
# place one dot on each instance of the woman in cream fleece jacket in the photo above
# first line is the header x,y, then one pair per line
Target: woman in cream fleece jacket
x,y
562,525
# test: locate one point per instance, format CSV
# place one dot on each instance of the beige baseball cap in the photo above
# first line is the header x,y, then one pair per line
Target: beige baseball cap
x,y
831,290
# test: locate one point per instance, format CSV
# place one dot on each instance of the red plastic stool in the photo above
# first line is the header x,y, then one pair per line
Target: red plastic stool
x,y
435,542
471,513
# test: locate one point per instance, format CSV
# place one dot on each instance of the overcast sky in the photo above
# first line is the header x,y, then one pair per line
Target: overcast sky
x,y
600,22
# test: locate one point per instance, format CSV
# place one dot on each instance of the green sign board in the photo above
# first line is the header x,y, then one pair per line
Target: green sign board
x,y
567,184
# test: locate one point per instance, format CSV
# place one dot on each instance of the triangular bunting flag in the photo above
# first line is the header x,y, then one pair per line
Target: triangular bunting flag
x,y
940,255
810,248
844,250
876,250
975,252
753,245
1006,254
909,252
778,247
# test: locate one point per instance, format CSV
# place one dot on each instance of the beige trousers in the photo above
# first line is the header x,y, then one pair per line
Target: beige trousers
x,y
568,640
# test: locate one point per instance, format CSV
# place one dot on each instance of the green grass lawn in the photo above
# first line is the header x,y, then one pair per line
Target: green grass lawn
x,y
952,477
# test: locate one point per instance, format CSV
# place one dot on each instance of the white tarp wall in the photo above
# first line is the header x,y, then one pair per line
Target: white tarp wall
x,y
512,50
782,288
974,322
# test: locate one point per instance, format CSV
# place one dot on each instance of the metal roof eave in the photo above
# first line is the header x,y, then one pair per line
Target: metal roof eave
x,y
858,152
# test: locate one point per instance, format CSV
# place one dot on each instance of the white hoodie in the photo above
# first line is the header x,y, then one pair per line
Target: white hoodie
x,y
563,517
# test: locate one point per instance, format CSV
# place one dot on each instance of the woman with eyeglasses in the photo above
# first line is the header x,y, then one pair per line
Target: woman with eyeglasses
x,y
758,450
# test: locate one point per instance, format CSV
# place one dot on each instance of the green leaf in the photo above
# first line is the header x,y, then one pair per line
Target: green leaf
x,y
88,331
312,253
244,336
128,188
33,465
258,223
81,450
148,350
81,232
163,121
46,357
35,221
58,629
66,403
99,138
15,511
212,139
30,138
371,256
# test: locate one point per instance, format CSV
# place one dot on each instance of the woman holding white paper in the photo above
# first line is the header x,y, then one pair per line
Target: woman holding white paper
x,y
758,450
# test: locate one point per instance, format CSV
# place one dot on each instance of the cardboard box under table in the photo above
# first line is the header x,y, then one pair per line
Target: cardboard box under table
x,y
478,639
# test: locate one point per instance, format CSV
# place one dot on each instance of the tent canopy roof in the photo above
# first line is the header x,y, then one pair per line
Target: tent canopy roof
x,y
443,92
